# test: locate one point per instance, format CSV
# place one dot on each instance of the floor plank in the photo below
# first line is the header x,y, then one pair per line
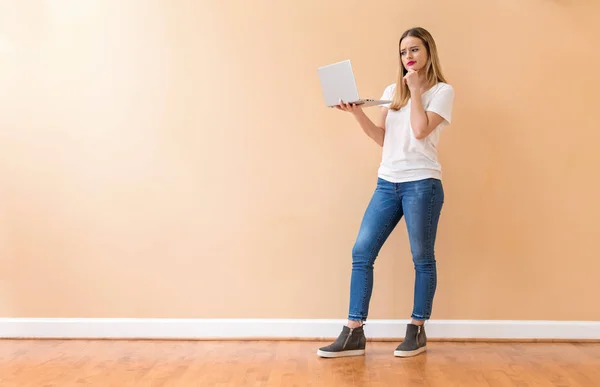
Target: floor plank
x,y
292,363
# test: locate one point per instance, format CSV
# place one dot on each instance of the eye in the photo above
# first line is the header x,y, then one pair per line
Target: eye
x,y
403,53
415,49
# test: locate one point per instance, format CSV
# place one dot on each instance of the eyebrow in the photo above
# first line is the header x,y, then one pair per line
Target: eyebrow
x,y
404,49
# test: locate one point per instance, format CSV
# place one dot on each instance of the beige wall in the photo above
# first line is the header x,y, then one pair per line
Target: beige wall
x,y
174,158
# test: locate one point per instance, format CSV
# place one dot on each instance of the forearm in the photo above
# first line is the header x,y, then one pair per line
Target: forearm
x,y
373,131
419,121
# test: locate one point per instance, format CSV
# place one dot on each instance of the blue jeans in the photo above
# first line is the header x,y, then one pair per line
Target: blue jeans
x,y
420,202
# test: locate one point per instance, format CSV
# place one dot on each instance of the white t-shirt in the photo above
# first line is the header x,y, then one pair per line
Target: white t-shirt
x,y
405,158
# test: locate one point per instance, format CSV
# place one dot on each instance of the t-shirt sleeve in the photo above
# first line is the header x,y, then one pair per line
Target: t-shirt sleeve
x,y
388,95
442,103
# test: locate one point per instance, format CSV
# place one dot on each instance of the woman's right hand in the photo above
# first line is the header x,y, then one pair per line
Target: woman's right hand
x,y
347,107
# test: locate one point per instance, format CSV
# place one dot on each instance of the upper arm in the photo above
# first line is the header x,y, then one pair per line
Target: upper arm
x,y
433,120
439,110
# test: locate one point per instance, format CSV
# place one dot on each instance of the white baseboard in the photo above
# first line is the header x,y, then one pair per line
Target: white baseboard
x,y
124,328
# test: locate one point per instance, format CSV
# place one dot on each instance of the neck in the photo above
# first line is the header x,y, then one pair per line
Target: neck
x,y
423,84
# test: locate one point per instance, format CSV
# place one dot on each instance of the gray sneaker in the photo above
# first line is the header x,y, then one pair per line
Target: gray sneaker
x,y
350,342
414,343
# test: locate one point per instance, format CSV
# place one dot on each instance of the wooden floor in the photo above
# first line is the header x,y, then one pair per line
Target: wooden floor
x,y
271,363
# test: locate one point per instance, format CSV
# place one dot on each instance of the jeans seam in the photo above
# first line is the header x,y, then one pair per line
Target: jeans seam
x,y
371,258
429,255
429,304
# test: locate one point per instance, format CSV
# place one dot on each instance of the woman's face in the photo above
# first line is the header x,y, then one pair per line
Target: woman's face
x,y
413,53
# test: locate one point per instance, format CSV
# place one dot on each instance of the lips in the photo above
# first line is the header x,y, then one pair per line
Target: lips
x,y
412,62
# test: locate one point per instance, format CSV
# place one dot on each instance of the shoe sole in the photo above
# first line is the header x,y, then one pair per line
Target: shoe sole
x,y
356,352
409,353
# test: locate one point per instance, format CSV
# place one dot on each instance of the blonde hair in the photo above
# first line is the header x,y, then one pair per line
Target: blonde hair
x,y
433,68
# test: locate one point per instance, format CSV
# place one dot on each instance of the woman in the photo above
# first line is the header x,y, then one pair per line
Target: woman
x,y
409,184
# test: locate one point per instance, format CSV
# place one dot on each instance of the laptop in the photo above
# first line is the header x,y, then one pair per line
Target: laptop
x,y
337,82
